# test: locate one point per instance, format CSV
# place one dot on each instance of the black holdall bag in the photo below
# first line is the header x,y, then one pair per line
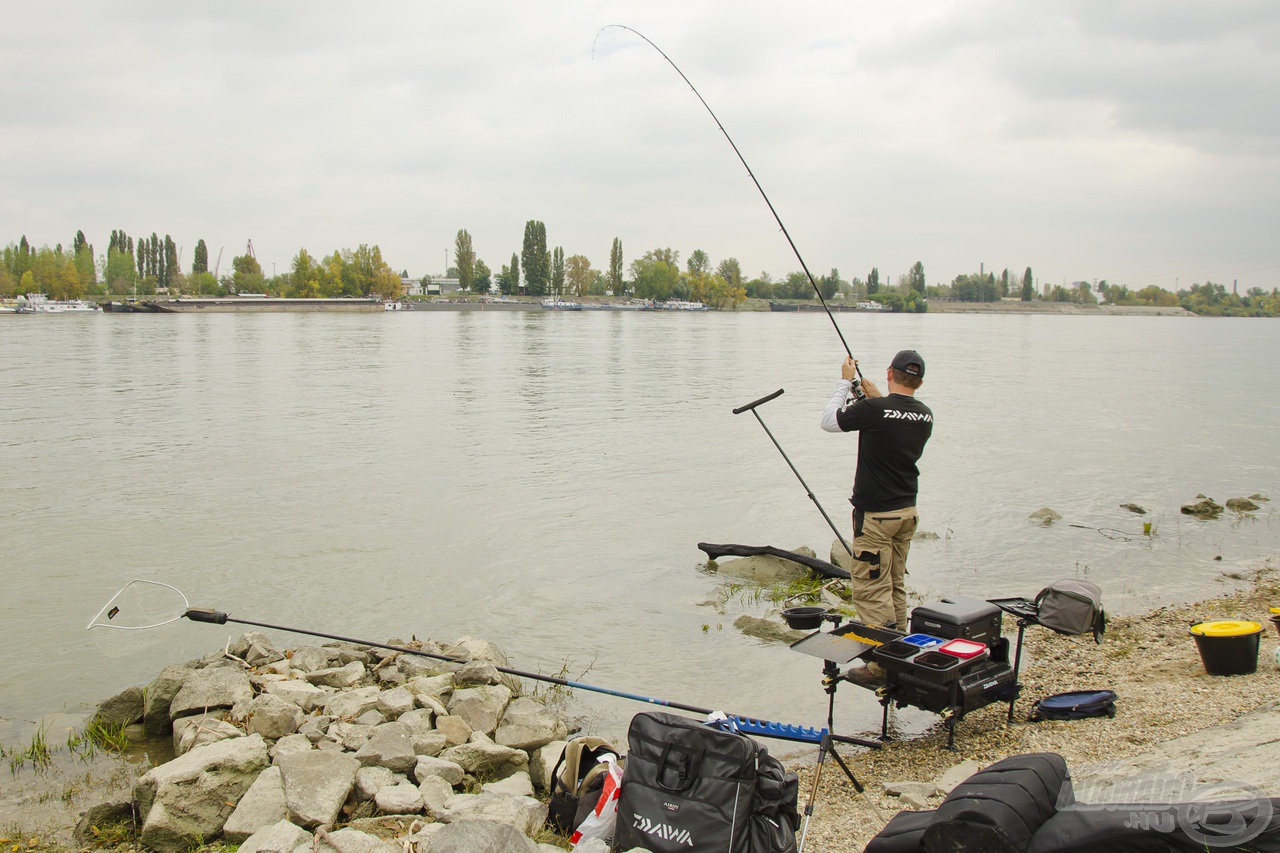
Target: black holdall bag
x,y
1072,606
691,786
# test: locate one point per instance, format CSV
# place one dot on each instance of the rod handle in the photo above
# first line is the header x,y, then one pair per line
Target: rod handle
x,y
198,614
755,403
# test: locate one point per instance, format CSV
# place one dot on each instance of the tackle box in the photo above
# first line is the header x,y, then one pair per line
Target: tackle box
x,y
957,616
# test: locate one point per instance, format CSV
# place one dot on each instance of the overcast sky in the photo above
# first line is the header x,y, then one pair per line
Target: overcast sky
x,y
1132,140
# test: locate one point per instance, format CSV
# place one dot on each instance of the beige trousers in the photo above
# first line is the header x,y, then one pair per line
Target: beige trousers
x,y
878,579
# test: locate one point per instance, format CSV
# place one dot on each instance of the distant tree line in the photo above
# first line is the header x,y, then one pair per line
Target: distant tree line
x,y
144,265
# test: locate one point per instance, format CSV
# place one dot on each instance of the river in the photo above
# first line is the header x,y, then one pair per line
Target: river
x,y
541,479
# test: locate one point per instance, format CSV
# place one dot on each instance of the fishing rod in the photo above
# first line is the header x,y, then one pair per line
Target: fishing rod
x,y
748,725
857,386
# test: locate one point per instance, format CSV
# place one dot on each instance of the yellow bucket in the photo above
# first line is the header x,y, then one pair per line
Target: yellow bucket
x,y
1228,646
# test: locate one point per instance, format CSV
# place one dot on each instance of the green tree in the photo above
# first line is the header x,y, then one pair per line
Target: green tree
x,y
121,275
465,258
699,263
656,275
170,261
1004,282
615,269
557,271
731,271
200,262
915,279
873,281
829,283
537,262
483,281
247,276
1028,286
515,271
579,276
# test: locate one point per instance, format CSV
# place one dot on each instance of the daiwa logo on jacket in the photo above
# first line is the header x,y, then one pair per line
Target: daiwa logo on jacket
x,y
663,831
894,414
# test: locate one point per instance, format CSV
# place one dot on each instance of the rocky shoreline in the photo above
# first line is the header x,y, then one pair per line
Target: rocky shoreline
x,y
349,747
341,747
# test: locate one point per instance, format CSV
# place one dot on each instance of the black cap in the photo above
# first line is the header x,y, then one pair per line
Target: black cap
x,y
909,362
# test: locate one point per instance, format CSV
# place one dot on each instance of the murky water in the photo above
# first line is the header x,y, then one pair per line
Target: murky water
x,y
542,479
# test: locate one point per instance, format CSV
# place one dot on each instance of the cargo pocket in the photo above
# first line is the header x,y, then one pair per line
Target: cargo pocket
x,y
865,565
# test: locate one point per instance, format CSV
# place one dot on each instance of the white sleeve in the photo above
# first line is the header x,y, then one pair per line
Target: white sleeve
x,y
829,423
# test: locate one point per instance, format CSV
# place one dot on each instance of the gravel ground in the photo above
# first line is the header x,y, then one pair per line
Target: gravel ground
x,y
1149,660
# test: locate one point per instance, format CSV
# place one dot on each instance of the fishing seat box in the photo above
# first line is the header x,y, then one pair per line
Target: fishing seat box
x,y
956,616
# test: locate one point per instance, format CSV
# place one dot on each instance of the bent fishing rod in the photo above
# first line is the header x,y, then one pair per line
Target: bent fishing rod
x,y
747,725
857,386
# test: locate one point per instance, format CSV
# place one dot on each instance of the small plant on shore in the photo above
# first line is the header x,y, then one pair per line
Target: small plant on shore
x,y
37,752
556,697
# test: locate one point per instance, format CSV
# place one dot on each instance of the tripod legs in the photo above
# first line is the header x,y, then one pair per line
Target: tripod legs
x,y
825,747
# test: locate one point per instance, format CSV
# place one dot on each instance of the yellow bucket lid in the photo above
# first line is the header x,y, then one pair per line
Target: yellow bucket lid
x,y
1276,611
1226,628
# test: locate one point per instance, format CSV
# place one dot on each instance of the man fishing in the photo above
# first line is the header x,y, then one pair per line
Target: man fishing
x,y
892,430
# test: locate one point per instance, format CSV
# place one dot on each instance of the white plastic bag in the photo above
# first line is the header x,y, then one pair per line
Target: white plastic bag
x,y
604,816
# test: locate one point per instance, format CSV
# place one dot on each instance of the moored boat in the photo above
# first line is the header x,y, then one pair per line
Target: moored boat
x,y
38,303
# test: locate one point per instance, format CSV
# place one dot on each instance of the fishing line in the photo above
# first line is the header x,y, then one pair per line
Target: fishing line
x,y
857,385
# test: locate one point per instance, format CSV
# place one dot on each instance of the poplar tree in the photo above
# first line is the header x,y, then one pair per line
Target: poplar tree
x,y
200,263
1028,285
537,263
873,281
557,270
615,268
465,259
515,272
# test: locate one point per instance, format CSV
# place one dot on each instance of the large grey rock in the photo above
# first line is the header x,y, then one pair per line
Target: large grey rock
x,y
428,767
394,702
260,807
481,756
473,649
306,696
477,672
542,761
189,799
351,703
123,709
282,837
765,568
352,736
515,785
369,780
273,717
343,677
211,687
316,784
527,725
481,707
255,649
311,658
159,696
431,743
473,835
455,729
190,732
439,686
288,744
315,727
403,798
435,792
524,813
390,746
350,840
